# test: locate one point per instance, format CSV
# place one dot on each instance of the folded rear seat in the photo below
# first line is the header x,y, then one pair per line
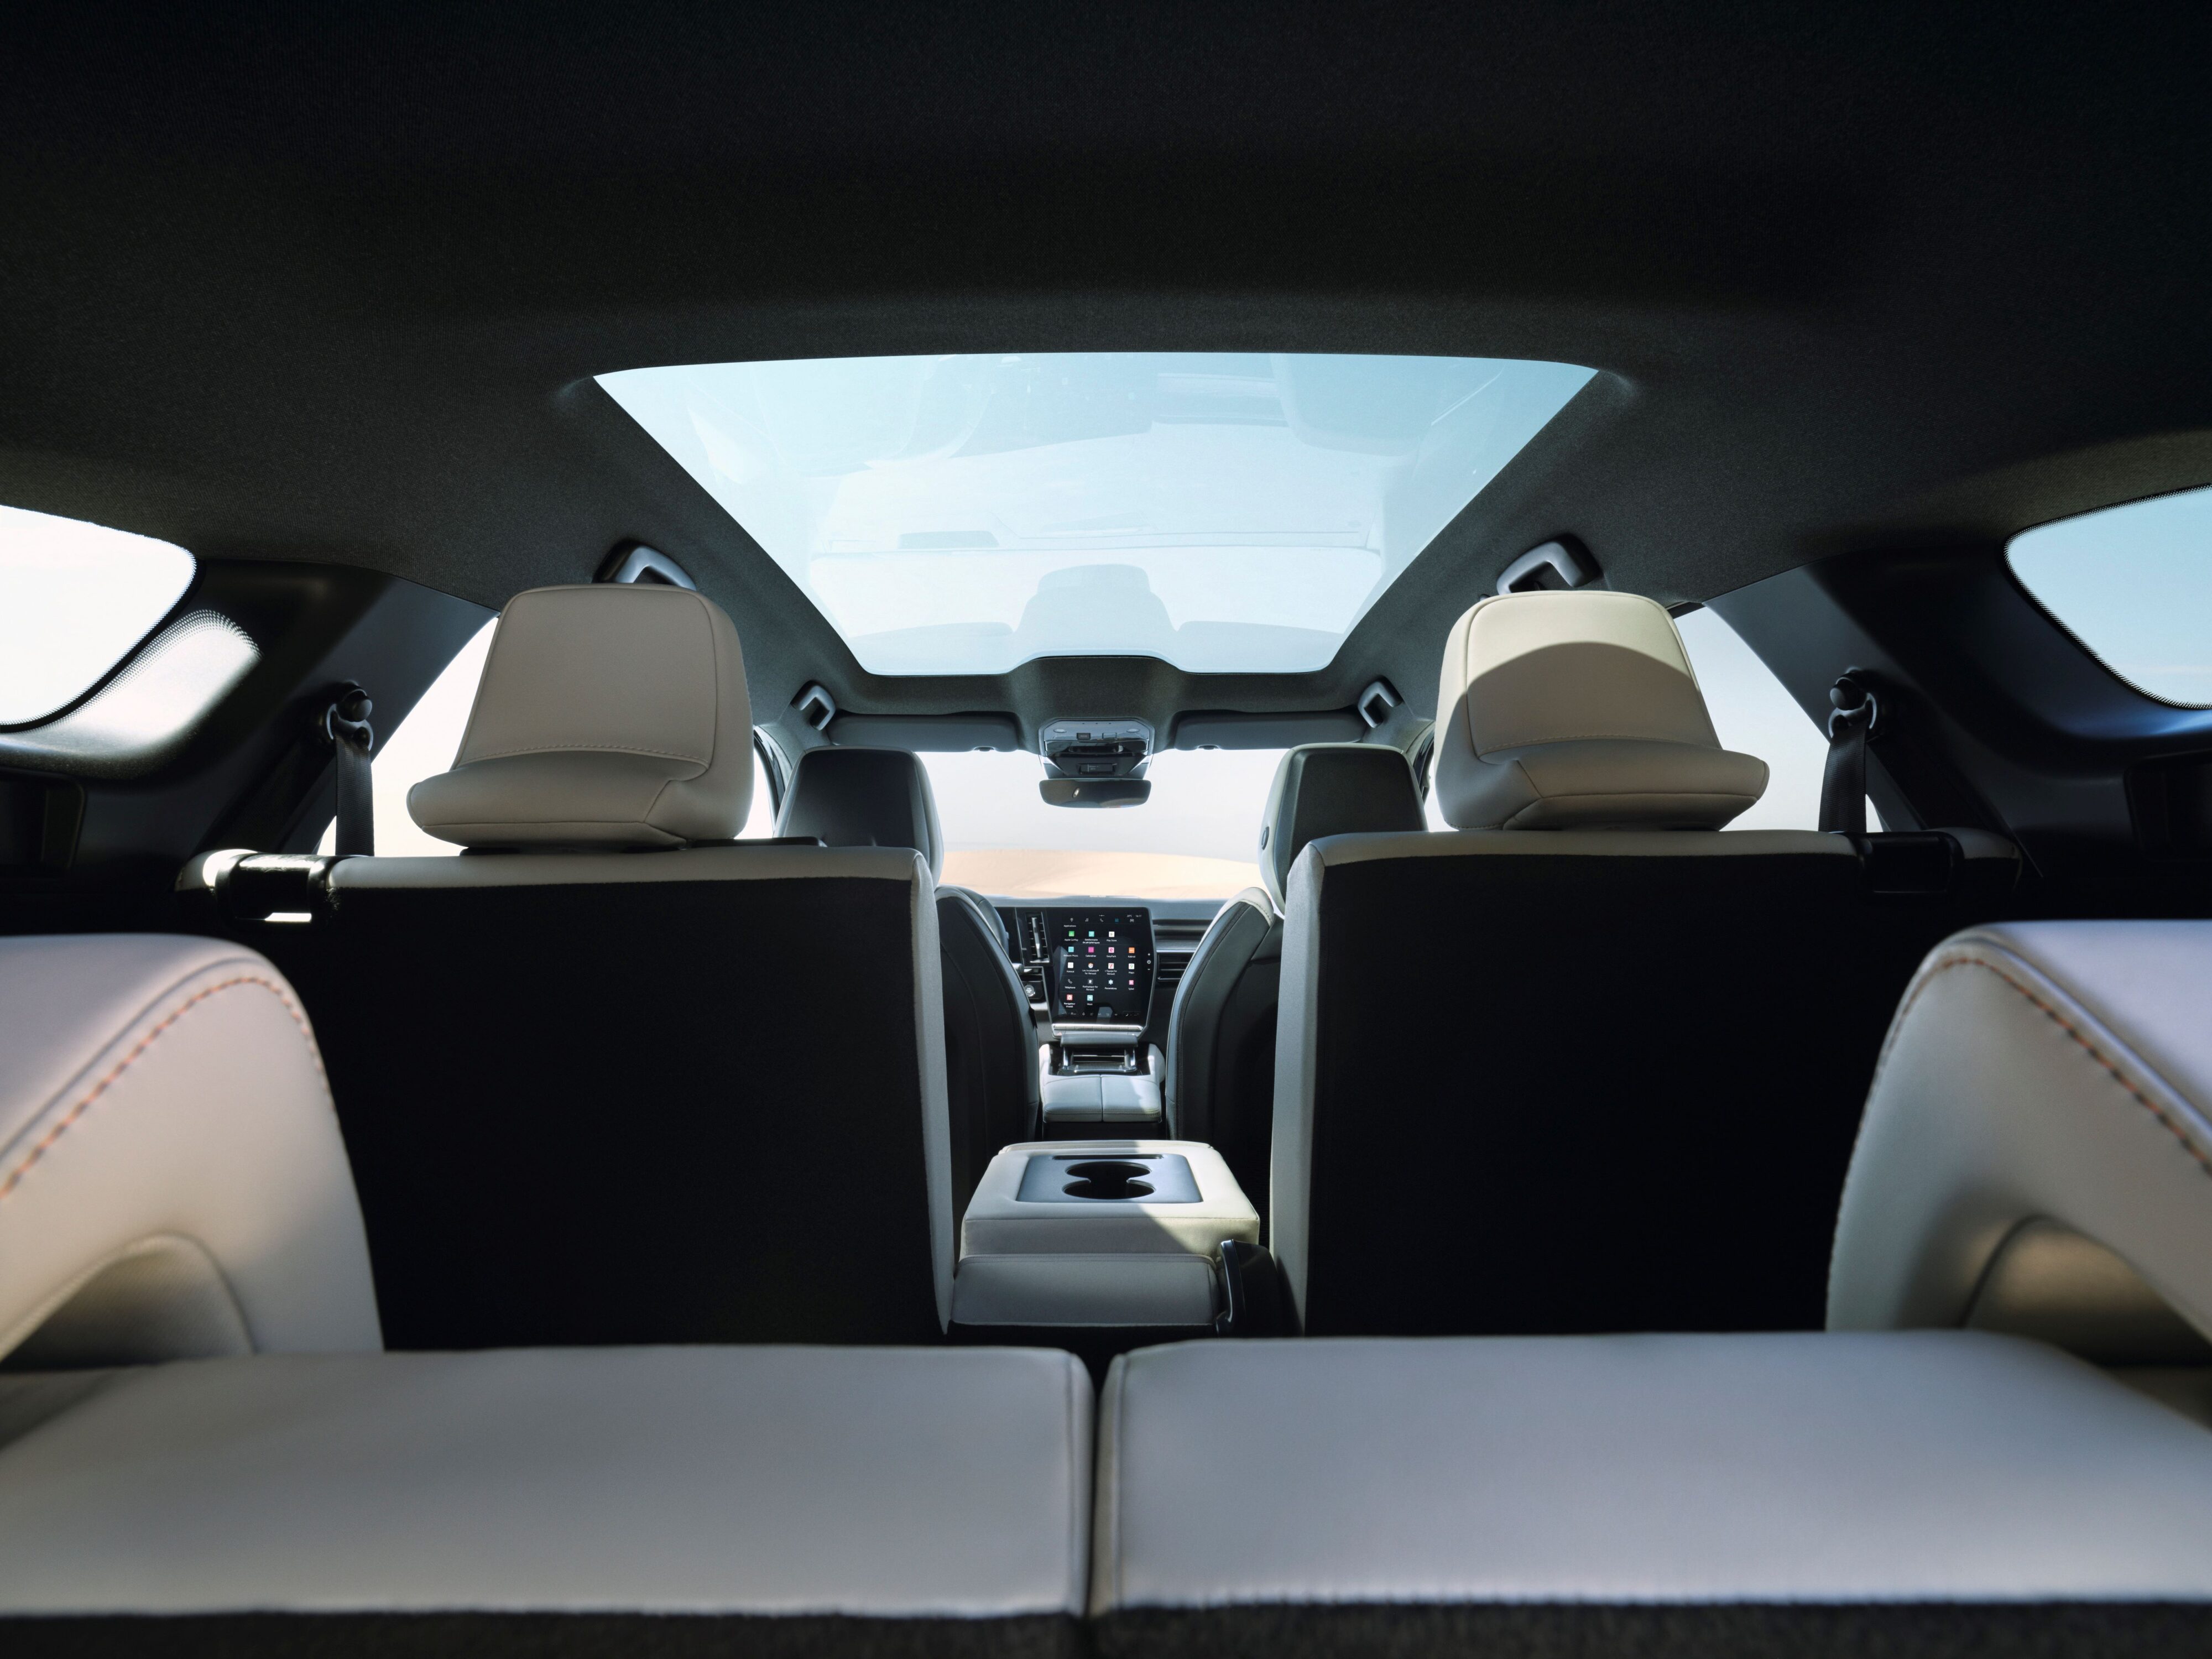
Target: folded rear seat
x,y
2036,1161
173,1190
1787,1494
621,1500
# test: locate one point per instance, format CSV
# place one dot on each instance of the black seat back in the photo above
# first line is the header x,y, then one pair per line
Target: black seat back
x,y
1600,1076
1603,1087
1221,1032
600,1082
630,1104
882,798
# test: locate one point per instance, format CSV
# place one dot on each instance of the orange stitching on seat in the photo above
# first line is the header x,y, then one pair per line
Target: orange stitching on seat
x,y
2165,1119
15,1176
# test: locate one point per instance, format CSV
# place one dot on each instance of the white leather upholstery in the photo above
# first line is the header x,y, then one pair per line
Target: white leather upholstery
x,y
755,863
172,1179
1579,710
609,715
1000,1222
2043,1082
1800,1468
1119,1290
880,1481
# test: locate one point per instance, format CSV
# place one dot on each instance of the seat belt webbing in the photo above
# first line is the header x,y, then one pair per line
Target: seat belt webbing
x,y
345,723
1843,785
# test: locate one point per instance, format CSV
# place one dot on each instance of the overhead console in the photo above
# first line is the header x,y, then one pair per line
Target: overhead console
x,y
1093,762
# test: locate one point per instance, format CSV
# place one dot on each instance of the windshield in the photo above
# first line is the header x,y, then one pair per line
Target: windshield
x,y
1196,838
1224,513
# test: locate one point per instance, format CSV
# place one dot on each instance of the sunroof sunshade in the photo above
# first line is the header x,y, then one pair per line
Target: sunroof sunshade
x,y
1226,513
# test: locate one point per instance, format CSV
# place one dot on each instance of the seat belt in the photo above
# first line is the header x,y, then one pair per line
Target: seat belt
x,y
1843,785
345,724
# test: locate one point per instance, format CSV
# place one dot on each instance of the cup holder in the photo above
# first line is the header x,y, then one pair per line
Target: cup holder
x,y
1109,1178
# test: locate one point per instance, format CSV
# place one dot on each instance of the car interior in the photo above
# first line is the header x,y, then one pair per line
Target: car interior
x,y
986,831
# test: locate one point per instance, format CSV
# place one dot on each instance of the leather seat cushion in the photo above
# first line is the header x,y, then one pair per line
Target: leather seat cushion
x,y
883,1483
1809,1468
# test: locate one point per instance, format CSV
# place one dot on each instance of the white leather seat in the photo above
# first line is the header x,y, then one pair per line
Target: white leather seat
x,y
173,1183
173,1186
1589,1062
2037,1154
920,1500
1925,1492
598,1077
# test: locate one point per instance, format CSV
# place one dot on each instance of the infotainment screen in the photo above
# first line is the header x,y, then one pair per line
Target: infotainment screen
x,y
1100,964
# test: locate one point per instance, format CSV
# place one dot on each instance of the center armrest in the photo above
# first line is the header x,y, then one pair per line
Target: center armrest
x,y
1088,1198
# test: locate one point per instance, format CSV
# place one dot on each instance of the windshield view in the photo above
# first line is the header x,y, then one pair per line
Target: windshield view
x,y
1195,838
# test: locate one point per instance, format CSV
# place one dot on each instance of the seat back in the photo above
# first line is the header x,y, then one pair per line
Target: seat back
x,y
2037,1154
882,798
1221,1031
1600,1076
601,1083
172,1181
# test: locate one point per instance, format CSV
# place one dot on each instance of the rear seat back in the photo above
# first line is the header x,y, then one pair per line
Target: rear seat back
x,y
2037,1155
882,798
618,1094
1590,1063
172,1181
1221,1031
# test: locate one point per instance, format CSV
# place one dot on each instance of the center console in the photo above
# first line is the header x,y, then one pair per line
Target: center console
x,y
1089,972
1099,1246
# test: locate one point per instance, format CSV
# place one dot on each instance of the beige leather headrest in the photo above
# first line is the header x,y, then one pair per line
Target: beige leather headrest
x,y
1579,711
608,716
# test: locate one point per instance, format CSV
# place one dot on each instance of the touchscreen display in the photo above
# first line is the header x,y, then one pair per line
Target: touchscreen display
x,y
1101,963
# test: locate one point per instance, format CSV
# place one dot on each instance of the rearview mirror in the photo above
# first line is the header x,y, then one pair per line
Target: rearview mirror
x,y
1095,792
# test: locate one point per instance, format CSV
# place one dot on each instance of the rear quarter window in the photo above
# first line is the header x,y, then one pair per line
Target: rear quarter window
x,y
2134,585
76,598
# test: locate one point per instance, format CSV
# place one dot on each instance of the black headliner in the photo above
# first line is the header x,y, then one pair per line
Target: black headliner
x,y
330,286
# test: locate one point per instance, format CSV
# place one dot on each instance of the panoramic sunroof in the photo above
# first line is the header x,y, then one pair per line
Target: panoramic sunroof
x,y
1227,514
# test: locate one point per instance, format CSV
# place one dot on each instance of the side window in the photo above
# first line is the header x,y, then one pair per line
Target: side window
x,y
1753,715
423,746
75,598
2134,585
426,741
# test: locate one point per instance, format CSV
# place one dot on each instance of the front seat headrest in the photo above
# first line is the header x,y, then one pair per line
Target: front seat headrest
x,y
1579,711
608,716
864,797
1332,789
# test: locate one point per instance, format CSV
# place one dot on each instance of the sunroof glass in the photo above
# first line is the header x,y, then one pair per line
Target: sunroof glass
x,y
1226,513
